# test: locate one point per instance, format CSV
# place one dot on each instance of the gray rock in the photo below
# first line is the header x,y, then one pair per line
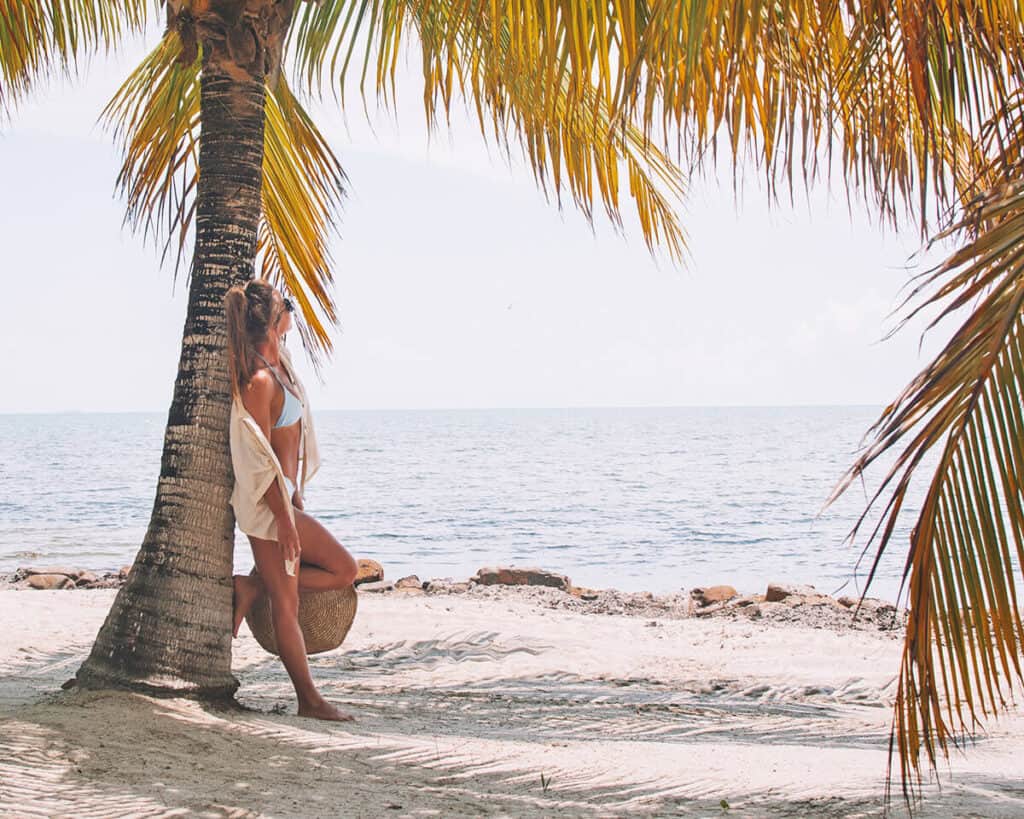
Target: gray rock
x,y
409,582
446,586
871,608
704,611
867,604
86,578
813,600
106,582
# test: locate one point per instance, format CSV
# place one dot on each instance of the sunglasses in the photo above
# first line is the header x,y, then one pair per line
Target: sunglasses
x,y
287,306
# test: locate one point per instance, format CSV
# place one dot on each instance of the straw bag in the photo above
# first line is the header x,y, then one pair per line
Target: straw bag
x,y
324,617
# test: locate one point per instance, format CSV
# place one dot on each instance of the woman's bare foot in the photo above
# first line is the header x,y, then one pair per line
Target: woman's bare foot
x,y
324,710
247,589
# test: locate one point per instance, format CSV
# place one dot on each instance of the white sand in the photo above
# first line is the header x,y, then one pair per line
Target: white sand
x,y
468,707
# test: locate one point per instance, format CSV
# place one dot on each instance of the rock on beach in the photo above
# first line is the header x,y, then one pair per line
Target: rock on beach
x,y
45,578
515,576
50,580
370,571
713,594
777,592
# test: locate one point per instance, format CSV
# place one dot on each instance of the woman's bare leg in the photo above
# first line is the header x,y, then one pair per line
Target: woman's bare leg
x,y
247,588
283,590
325,564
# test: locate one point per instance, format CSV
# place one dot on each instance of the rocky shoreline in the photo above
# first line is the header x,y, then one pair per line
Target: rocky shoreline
x,y
780,602
62,577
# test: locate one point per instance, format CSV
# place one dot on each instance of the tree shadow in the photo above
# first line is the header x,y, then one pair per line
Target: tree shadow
x,y
501,744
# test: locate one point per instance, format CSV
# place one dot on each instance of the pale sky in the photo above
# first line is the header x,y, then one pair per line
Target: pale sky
x,y
458,284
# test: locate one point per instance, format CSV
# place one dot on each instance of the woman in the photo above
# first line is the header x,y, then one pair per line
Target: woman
x,y
270,426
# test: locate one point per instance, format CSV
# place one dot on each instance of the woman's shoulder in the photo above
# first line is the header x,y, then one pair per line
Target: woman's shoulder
x,y
261,381
259,391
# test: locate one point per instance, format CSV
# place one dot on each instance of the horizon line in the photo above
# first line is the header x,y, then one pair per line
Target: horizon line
x,y
481,408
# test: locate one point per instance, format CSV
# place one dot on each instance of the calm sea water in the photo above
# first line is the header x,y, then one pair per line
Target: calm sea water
x,y
636,499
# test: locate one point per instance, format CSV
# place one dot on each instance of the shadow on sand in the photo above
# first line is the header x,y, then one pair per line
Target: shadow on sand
x,y
499,745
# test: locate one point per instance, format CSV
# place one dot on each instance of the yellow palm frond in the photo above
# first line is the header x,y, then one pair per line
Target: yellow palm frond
x,y
155,116
525,80
964,637
567,130
906,86
302,189
921,85
38,37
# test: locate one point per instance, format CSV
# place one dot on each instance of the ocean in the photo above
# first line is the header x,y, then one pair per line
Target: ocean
x,y
657,499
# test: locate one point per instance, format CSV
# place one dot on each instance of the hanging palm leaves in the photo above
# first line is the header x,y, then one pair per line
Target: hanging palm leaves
x,y
38,37
527,83
964,637
155,117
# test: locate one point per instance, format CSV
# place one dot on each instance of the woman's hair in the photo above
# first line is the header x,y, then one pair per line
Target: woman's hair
x,y
249,309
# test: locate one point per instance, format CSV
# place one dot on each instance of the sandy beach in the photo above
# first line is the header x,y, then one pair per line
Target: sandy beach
x,y
502,703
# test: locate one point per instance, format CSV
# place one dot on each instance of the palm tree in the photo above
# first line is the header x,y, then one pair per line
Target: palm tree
x,y
921,98
213,136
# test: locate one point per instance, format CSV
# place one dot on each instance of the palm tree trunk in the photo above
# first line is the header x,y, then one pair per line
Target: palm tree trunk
x,y
169,629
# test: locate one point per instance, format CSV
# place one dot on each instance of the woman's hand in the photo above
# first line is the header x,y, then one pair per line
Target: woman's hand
x,y
297,500
288,538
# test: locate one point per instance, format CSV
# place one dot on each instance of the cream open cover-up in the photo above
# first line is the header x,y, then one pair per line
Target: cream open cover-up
x,y
256,465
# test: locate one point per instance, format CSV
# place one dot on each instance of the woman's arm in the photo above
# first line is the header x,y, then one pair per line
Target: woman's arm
x,y
256,399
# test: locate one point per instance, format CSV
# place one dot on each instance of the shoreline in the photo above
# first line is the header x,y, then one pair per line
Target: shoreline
x,y
779,603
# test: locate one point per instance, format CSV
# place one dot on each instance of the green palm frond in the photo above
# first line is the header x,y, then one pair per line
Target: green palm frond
x,y
964,637
155,117
39,37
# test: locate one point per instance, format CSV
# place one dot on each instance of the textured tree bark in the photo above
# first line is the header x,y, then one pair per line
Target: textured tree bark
x,y
169,629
